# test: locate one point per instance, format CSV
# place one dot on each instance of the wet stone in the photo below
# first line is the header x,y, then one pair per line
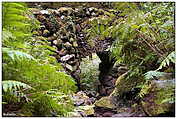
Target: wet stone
x,y
62,52
46,12
67,57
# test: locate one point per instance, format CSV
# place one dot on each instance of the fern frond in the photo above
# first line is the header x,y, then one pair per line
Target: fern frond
x,y
18,24
14,10
20,33
14,86
17,17
151,74
13,15
13,54
15,4
167,60
6,35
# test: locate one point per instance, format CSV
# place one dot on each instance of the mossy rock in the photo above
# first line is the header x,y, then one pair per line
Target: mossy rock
x,y
124,85
73,114
105,102
87,110
159,99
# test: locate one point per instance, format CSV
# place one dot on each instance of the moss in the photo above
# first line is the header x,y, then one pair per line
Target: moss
x,y
159,98
125,85
105,102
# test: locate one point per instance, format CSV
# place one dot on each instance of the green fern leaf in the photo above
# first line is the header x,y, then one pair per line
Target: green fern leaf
x,y
14,11
151,74
21,34
17,17
14,85
17,5
6,35
18,24
13,54
167,60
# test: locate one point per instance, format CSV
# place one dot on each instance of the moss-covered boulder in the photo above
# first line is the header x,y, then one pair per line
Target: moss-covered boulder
x,y
159,98
124,85
105,102
87,110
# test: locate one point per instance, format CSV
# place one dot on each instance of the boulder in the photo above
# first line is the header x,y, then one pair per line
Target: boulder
x,y
72,62
159,98
57,42
87,110
105,102
51,38
123,114
67,57
123,85
35,11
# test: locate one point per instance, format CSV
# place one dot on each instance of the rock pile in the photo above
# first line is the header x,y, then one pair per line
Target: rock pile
x,y
64,29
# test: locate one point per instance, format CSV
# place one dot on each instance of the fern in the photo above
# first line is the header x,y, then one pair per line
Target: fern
x,y
14,55
6,35
10,10
16,21
144,90
14,86
153,74
13,91
167,60
38,70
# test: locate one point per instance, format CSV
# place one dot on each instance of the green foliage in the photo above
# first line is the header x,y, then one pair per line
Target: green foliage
x,y
89,73
137,33
50,103
167,60
164,63
26,62
14,85
14,54
38,75
152,74
17,25
144,35
144,89
41,77
169,100
99,27
13,91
